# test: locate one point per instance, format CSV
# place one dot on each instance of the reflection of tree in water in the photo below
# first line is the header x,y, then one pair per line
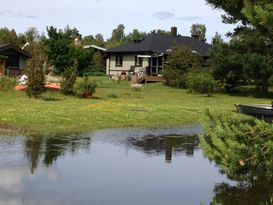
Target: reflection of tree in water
x,y
168,145
244,194
50,149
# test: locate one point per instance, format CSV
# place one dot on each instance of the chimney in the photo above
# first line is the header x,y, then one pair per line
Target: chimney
x,y
173,31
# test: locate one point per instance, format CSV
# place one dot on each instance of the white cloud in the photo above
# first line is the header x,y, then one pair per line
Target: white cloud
x,y
12,14
163,15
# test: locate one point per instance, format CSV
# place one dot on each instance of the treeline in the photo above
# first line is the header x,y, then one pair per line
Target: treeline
x,y
60,49
248,57
246,60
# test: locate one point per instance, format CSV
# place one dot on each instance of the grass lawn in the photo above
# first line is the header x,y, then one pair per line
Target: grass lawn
x,y
156,105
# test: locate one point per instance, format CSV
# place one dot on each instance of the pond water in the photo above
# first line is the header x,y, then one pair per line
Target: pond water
x,y
117,167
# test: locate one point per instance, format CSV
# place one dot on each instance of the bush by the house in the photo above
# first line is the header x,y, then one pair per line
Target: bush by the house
x,y
180,61
7,83
68,81
85,87
201,82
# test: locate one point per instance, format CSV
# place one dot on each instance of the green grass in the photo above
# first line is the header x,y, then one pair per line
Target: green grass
x,y
156,105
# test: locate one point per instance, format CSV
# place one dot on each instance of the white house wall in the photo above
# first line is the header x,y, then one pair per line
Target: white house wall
x,y
128,61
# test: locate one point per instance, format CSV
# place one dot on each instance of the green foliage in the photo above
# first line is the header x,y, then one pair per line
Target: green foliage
x,y
117,37
179,62
160,31
201,82
135,35
68,81
270,81
98,40
242,148
62,52
59,48
95,70
85,87
7,83
245,59
260,15
233,9
200,30
8,36
257,68
226,65
252,40
83,59
217,39
35,73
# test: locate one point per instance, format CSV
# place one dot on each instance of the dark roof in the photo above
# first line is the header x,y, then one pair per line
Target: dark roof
x,y
158,43
5,47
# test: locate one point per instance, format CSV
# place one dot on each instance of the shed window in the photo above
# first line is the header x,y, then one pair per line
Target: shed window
x,y
138,61
119,61
13,62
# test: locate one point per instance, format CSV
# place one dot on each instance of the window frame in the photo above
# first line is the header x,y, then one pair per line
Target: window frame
x,y
119,60
138,61
13,62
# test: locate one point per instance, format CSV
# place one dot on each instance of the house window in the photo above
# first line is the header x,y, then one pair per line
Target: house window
x,y
119,60
13,62
138,61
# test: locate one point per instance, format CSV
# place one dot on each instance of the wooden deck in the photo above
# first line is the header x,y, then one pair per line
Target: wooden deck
x,y
148,79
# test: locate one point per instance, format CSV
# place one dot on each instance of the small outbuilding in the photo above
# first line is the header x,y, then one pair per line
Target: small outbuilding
x,y
12,60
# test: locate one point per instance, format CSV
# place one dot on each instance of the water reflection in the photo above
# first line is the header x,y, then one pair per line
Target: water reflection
x,y
166,145
48,150
121,168
242,194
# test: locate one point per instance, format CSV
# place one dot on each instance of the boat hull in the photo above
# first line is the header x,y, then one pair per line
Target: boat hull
x,y
257,110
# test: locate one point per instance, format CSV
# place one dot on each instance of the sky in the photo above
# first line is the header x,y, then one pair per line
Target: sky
x,y
102,16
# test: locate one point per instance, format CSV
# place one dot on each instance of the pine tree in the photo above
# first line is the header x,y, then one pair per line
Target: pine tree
x,y
242,147
35,73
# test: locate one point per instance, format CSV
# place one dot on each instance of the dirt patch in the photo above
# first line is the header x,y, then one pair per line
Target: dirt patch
x,y
6,129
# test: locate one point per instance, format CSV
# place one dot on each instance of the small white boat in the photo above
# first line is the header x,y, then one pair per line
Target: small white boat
x,y
258,110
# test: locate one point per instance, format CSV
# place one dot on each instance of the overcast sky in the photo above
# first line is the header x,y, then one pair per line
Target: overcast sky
x,y
101,16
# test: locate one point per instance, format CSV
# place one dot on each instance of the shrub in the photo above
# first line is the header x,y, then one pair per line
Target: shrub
x,y
180,60
36,82
95,70
85,87
7,83
200,82
35,72
69,79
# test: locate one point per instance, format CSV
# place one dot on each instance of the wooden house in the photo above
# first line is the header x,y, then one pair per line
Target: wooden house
x,y
12,60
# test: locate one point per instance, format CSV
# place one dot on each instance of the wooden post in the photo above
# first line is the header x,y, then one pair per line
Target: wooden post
x,y
2,66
